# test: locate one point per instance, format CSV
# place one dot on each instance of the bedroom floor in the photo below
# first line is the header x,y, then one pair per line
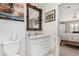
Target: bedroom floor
x,y
67,50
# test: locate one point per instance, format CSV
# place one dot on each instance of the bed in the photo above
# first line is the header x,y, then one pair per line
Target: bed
x,y
70,39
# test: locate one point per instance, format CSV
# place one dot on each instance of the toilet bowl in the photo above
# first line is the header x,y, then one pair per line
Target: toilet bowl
x,y
11,48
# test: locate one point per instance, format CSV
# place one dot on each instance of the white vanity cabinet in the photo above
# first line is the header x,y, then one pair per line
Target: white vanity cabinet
x,y
38,45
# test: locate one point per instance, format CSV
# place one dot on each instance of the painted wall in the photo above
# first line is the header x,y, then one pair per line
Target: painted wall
x,y
51,28
9,27
62,29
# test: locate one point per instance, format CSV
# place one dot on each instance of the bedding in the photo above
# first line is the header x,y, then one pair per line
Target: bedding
x,y
70,37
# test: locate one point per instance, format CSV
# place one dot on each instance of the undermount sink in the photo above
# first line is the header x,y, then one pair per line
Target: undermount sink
x,y
34,34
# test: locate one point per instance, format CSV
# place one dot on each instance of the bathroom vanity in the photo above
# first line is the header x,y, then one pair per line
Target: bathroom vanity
x,y
38,45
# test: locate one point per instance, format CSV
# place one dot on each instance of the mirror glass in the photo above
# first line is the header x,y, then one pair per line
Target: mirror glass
x,y
33,18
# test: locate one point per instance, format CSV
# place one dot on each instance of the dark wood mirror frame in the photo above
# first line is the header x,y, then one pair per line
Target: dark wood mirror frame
x,y
40,17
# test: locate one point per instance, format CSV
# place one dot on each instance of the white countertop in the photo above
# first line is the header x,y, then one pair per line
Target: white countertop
x,y
37,36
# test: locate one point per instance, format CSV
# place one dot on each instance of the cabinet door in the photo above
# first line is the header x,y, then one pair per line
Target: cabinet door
x,y
40,46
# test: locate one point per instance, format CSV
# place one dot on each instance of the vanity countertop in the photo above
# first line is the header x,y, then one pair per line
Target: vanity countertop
x,y
38,36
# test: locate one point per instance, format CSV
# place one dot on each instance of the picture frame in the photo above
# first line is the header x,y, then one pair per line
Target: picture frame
x,y
8,12
50,16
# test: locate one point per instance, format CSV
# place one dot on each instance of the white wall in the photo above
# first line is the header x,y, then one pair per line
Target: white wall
x,y
7,27
51,28
62,29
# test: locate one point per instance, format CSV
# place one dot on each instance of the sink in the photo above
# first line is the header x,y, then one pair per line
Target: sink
x,y
37,36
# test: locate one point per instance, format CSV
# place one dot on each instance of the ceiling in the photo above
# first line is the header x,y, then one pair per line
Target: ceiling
x,y
68,6
68,11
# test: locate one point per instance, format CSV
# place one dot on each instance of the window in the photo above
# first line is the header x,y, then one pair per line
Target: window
x,y
74,27
71,27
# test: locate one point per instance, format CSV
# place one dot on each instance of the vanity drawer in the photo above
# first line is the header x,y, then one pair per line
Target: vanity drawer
x,y
36,41
44,42
39,50
40,46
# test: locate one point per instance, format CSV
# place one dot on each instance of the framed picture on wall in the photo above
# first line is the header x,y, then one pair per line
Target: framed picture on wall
x,y
50,16
9,11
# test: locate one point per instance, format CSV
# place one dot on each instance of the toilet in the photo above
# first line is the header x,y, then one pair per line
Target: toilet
x,y
11,48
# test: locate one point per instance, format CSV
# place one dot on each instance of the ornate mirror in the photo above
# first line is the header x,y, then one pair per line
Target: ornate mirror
x,y
34,18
